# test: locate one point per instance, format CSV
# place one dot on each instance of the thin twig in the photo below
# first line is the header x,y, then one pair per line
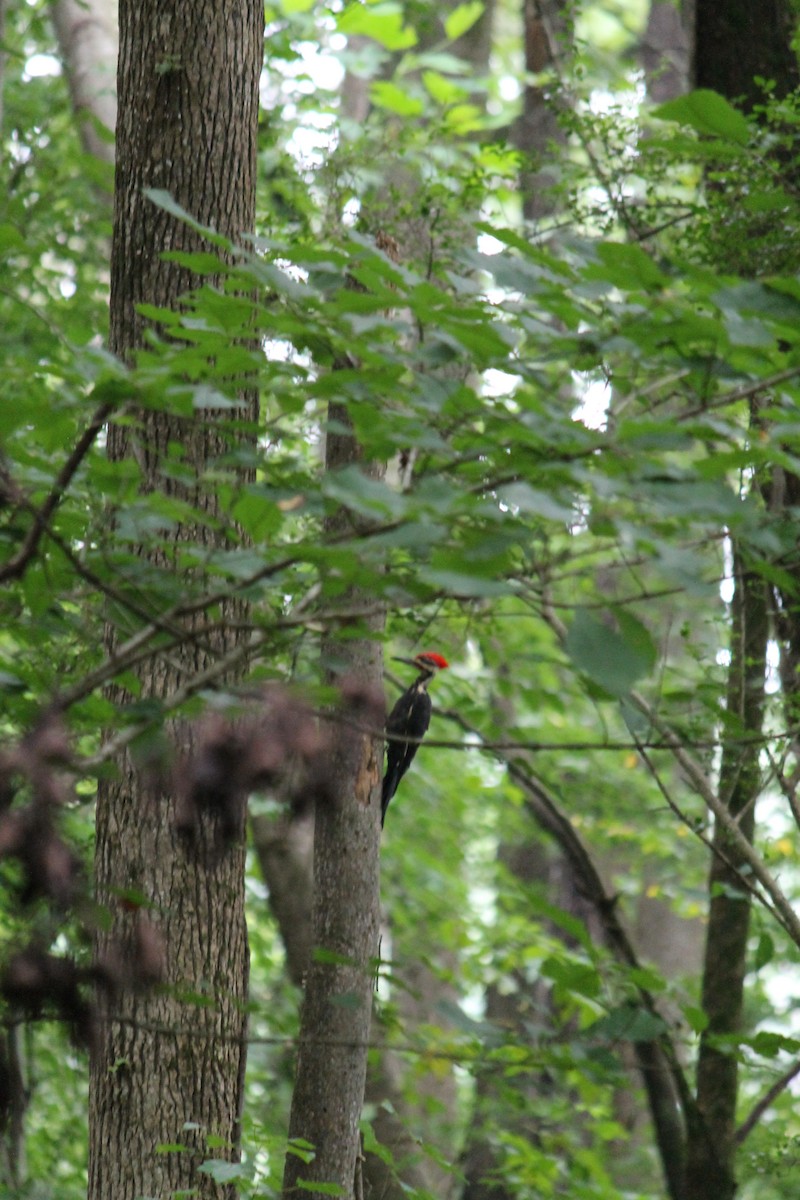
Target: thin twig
x,y
760,1107
16,566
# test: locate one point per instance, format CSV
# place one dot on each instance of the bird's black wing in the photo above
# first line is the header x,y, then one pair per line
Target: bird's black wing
x,y
410,717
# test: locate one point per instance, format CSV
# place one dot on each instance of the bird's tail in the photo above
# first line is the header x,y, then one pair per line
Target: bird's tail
x,y
390,782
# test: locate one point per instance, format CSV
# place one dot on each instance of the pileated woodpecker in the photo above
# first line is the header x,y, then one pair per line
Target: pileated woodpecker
x,y
409,718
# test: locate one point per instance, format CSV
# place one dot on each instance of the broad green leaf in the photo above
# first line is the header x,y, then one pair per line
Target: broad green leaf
x,y
199,262
462,18
626,266
301,1148
324,1189
628,1023
384,23
577,977
163,200
442,89
770,1044
462,119
708,113
765,951
464,583
611,659
395,99
696,1018
222,1171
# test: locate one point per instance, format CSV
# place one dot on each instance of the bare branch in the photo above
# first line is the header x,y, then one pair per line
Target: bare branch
x,y
17,565
770,1096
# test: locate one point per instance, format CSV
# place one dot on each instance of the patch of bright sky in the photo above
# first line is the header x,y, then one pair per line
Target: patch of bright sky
x,y
39,65
316,69
509,88
595,397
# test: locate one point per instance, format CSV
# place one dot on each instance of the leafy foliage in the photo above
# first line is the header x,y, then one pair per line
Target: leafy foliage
x,y
571,568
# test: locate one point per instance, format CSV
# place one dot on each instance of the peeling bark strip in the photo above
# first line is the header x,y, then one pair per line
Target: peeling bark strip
x,y
188,110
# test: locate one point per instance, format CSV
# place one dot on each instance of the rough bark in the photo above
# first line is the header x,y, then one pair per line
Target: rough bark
x,y
710,1169
87,42
737,42
14,1099
733,44
335,1019
545,28
188,107
285,854
285,850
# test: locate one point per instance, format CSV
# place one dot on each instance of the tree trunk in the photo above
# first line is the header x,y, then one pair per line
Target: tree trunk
x,y
337,1006
285,848
737,42
545,27
87,42
710,1170
166,1070
664,51
734,43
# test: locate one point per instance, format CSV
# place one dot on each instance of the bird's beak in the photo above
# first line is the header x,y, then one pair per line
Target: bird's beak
x,y
411,662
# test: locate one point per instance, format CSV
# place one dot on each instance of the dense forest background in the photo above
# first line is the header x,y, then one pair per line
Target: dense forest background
x,y
333,333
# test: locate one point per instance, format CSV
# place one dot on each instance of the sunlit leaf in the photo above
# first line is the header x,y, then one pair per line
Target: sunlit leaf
x,y
462,18
708,113
384,23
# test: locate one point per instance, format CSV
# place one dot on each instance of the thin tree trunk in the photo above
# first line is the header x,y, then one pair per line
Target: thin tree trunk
x,y
664,50
710,1170
166,1070
545,27
337,1006
733,45
87,42
285,851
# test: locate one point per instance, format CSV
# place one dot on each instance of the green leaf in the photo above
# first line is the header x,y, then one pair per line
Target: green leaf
x,y
384,23
222,1171
442,89
199,262
628,1023
637,637
626,266
301,1149
463,583
765,951
331,957
613,660
696,1018
770,1044
708,113
577,977
395,99
163,200
355,490
463,18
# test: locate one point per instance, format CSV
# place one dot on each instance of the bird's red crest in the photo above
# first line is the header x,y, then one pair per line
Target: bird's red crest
x,y
435,660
